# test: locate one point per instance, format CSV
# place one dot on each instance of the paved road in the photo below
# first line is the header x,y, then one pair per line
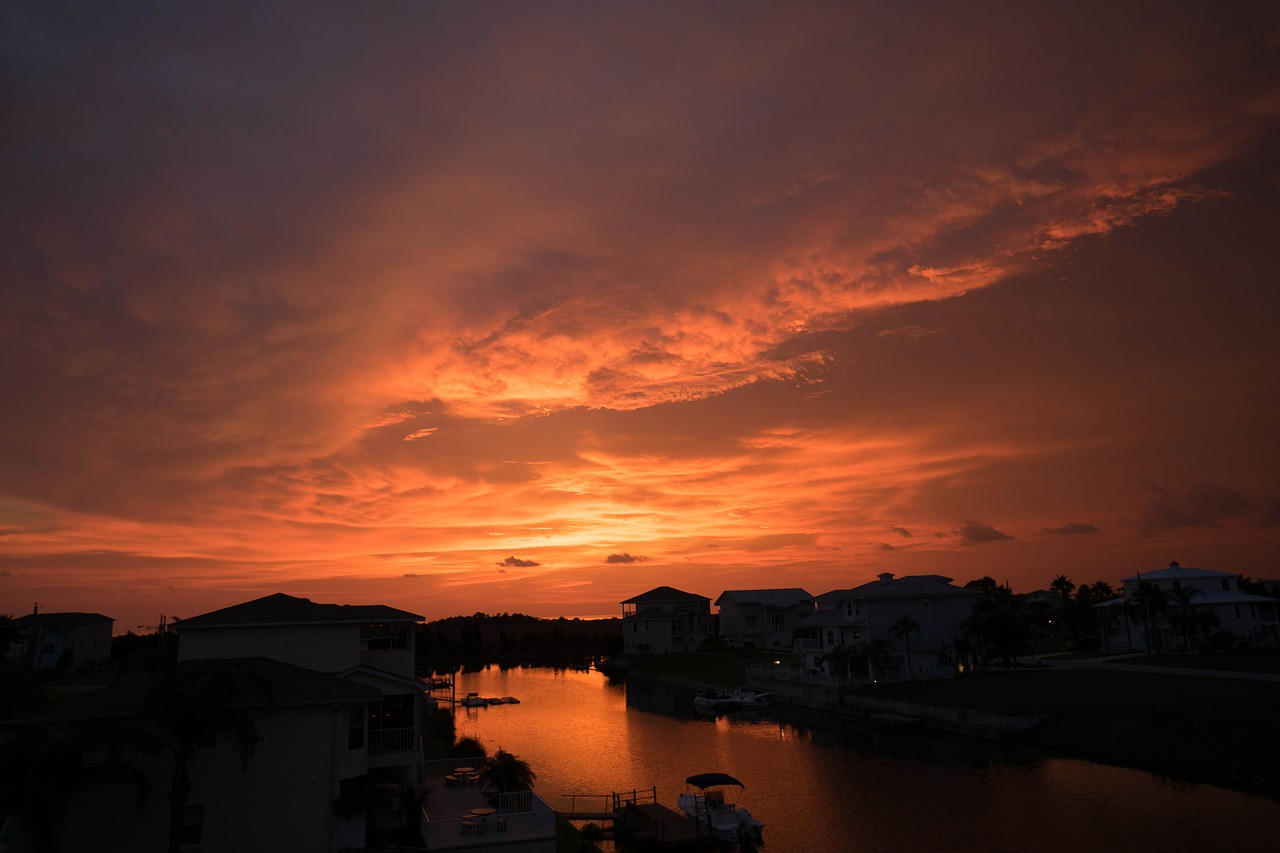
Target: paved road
x,y
1116,663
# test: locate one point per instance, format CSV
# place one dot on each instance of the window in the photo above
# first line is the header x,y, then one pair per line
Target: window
x,y
779,623
848,608
192,832
355,728
1226,584
749,622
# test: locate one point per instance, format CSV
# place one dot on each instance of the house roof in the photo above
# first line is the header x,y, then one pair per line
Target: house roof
x,y
909,586
61,623
1205,598
281,609
832,618
665,593
766,597
655,613
1176,572
290,686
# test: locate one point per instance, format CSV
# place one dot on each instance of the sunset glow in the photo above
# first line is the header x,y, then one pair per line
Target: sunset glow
x,y
533,307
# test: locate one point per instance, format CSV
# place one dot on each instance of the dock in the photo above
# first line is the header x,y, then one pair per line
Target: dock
x,y
646,819
663,826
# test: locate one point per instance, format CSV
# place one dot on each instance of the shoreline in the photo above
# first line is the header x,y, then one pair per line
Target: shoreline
x,y
1187,727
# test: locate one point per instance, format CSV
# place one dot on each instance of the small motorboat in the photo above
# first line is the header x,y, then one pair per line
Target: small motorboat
x,y
473,700
722,701
707,804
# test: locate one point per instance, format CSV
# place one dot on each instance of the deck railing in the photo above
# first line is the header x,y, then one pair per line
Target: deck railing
x,y
391,740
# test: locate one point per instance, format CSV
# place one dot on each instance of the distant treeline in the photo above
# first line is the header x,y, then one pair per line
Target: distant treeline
x,y
447,644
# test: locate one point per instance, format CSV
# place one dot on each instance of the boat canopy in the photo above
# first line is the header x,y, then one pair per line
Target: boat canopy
x,y
708,780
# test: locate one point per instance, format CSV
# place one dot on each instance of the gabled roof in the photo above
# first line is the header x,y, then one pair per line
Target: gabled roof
x,y
665,593
1204,599
766,597
290,686
281,609
61,623
1176,572
829,619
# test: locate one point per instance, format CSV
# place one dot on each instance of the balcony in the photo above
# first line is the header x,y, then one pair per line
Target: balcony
x,y
383,741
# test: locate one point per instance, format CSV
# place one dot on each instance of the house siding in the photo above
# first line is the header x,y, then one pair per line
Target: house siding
x,y
279,801
323,648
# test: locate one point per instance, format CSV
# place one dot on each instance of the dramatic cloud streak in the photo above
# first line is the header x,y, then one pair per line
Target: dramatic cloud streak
x,y
362,302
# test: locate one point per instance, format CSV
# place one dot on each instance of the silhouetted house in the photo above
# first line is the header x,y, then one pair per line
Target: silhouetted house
x,y
665,620
371,645
43,638
343,722
312,745
765,618
868,613
1187,608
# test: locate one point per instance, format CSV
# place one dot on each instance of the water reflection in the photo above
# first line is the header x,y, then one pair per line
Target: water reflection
x,y
824,785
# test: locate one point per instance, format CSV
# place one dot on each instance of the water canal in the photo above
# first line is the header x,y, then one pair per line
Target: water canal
x,y
821,785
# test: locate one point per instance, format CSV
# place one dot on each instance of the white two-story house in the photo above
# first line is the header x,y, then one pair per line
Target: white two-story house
x,y
338,760
762,618
934,610
45,639
1191,605
665,620
370,644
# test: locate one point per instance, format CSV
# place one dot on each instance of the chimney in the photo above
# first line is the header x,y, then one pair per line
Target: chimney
x,y
886,577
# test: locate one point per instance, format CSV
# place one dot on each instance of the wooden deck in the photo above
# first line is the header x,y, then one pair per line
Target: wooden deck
x,y
663,825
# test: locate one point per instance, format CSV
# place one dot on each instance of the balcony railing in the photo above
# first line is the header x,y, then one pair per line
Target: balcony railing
x,y
392,740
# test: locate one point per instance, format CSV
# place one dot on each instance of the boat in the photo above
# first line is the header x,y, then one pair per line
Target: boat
x,y
729,700
707,804
473,700
504,700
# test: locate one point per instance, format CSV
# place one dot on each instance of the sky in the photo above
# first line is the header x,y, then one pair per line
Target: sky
x,y
533,307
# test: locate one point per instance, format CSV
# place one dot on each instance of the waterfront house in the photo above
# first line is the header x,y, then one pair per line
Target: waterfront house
x,y
1189,606
873,613
44,639
372,645
762,618
665,620
310,746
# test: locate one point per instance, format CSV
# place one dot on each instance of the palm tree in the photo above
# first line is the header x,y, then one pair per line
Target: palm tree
x,y
195,701
469,747
902,629
1149,602
1186,612
506,773
1063,586
41,767
8,633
